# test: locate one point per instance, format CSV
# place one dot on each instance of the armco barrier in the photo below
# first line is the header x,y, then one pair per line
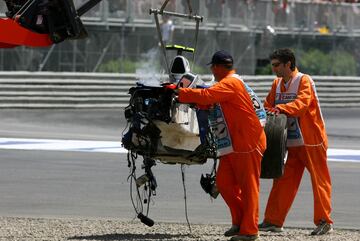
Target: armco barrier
x,y
101,90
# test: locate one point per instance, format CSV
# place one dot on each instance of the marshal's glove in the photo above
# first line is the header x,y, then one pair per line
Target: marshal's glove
x,y
272,111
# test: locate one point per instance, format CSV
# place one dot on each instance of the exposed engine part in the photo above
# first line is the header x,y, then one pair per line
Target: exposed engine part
x,y
145,220
208,184
146,181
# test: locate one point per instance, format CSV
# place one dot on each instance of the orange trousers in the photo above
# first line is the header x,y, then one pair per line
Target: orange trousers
x,y
284,189
237,180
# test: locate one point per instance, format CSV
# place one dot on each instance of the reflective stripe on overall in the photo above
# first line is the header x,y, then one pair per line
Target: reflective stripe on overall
x,y
258,106
294,136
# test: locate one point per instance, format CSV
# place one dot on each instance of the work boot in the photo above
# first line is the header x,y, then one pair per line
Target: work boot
x,y
269,227
245,238
234,230
322,228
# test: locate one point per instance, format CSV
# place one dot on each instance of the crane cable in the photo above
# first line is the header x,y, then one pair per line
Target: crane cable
x,y
183,181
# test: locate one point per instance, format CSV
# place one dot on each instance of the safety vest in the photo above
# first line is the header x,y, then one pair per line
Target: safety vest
x,y
258,106
294,136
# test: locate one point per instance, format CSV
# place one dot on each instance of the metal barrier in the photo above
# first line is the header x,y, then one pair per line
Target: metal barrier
x,y
94,90
299,16
122,31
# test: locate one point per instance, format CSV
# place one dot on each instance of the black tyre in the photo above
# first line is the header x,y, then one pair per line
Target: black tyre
x,y
272,165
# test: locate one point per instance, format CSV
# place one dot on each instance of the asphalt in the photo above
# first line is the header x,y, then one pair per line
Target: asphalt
x,y
73,184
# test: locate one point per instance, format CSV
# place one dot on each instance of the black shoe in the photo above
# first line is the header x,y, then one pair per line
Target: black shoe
x,y
234,230
245,238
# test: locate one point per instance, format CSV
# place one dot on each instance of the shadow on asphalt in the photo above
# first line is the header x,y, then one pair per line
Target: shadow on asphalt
x,y
128,236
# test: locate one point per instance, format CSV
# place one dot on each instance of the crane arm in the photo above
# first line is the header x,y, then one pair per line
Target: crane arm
x,y
40,23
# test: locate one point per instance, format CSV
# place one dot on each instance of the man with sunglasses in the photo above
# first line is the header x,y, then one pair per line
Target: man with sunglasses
x,y
238,174
294,94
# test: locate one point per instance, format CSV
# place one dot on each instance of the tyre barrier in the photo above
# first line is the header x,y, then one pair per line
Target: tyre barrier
x,y
273,161
22,89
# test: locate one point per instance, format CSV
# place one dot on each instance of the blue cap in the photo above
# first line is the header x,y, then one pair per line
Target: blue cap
x,y
221,57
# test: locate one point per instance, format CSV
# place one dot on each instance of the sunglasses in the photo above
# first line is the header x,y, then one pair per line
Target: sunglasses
x,y
275,64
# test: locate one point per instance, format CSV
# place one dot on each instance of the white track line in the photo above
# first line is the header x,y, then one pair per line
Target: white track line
x,y
61,145
338,155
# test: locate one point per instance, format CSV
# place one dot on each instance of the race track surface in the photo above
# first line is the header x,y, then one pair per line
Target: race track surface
x,y
51,186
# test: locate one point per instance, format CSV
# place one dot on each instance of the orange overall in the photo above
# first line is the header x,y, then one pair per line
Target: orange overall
x,y
239,172
310,155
